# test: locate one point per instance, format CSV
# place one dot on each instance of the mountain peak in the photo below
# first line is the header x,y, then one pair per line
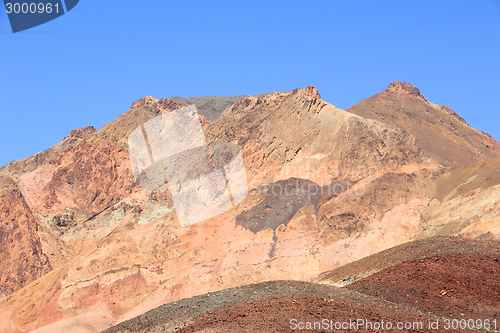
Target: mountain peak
x,y
438,130
146,100
308,91
405,87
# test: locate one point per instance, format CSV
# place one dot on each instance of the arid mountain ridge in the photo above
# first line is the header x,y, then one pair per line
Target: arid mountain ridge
x,y
83,245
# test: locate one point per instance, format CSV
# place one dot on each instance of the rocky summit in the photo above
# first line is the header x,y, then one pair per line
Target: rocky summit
x,y
393,196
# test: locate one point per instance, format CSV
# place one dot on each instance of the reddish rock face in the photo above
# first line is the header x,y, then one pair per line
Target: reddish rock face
x,y
90,177
22,258
361,181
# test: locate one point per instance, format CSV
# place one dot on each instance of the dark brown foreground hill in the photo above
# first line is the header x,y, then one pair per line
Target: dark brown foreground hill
x,y
277,306
439,278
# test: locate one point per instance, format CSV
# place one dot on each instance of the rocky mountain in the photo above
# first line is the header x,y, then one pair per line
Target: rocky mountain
x,y
439,132
86,248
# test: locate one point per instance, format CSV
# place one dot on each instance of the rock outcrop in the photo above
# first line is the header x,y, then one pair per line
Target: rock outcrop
x,y
23,259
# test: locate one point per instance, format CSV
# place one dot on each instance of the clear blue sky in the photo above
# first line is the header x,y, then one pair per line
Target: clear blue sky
x,y
88,66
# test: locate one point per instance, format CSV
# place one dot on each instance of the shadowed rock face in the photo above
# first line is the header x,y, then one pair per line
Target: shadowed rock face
x,y
211,107
280,202
117,250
